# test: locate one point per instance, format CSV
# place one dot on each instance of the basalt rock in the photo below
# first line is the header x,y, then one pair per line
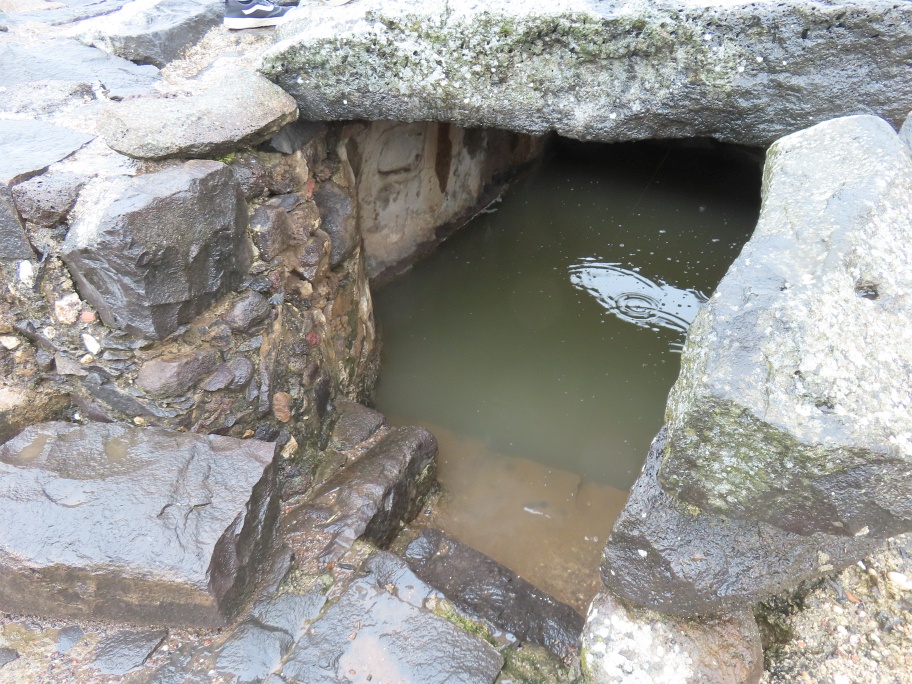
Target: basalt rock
x,y
151,252
370,498
176,373
225,108
740,72
47,199
792,407
354,424
678,560
339,219
139,525
485,588
14,243
628,644
154,33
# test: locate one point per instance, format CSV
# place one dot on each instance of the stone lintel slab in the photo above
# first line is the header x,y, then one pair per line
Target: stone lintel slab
x,y
139,525
736,71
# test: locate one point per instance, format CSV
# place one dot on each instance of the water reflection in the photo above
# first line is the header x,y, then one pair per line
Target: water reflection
x,y
636,299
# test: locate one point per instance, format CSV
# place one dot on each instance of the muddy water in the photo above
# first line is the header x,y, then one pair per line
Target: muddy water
x,y
540,342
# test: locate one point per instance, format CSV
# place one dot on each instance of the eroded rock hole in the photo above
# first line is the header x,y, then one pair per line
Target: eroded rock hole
x,y
539,343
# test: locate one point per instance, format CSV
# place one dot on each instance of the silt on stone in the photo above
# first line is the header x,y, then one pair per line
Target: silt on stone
x,y
139,525
151,252
792,407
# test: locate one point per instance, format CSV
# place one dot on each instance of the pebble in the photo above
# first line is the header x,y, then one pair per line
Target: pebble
x,y
67,308
900,581
91,344
9,342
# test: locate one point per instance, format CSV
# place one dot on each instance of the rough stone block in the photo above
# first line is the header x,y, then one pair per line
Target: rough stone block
x,y
623,645
139,525
339,220
47,199
735,71
154,32
792,407
176,373
226,108
371,498
151,252
495,593
678,560
354,424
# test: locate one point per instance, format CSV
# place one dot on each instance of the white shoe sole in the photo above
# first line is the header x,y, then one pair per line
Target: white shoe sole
x,y
237,23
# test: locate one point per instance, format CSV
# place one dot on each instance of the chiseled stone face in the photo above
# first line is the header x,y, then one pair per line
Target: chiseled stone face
x,y
736,71
793,406
152,251
140,525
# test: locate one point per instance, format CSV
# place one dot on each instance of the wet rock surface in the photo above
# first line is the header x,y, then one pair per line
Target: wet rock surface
x,y
126,651
228,106
154,33
354,424
47,199
339,220
14,244
370,498
682,561
746,73
151,252
139,525
493,592
29,66
626,644
176,374
31,146
791,408
375,633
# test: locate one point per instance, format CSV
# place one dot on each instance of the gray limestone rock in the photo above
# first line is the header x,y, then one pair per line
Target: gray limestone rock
x,y
154,33
679,560
139,525
485,588
68,637
227,107
372,634
29,147
68,61
339,220
792,406
47,199
126,651
624,644
151,252
370,498
176,373
740,72
354,424
14,243
253,652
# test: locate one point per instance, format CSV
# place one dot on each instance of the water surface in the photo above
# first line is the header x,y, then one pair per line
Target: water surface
x,y
540,343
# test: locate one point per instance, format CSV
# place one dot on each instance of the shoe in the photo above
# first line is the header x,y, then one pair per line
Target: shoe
x,y
253,13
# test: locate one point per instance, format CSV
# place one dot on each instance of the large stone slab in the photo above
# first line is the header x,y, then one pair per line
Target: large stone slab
x,y
29,147
140,525
227,107
625,644
678,560
793,406
736,71
378,632
26,64
486,588
154,31
370,498
151,252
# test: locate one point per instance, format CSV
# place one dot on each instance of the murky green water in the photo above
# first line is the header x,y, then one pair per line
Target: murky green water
x,y
549,330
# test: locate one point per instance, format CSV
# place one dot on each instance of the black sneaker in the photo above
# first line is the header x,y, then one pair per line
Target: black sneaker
x,y
253,13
